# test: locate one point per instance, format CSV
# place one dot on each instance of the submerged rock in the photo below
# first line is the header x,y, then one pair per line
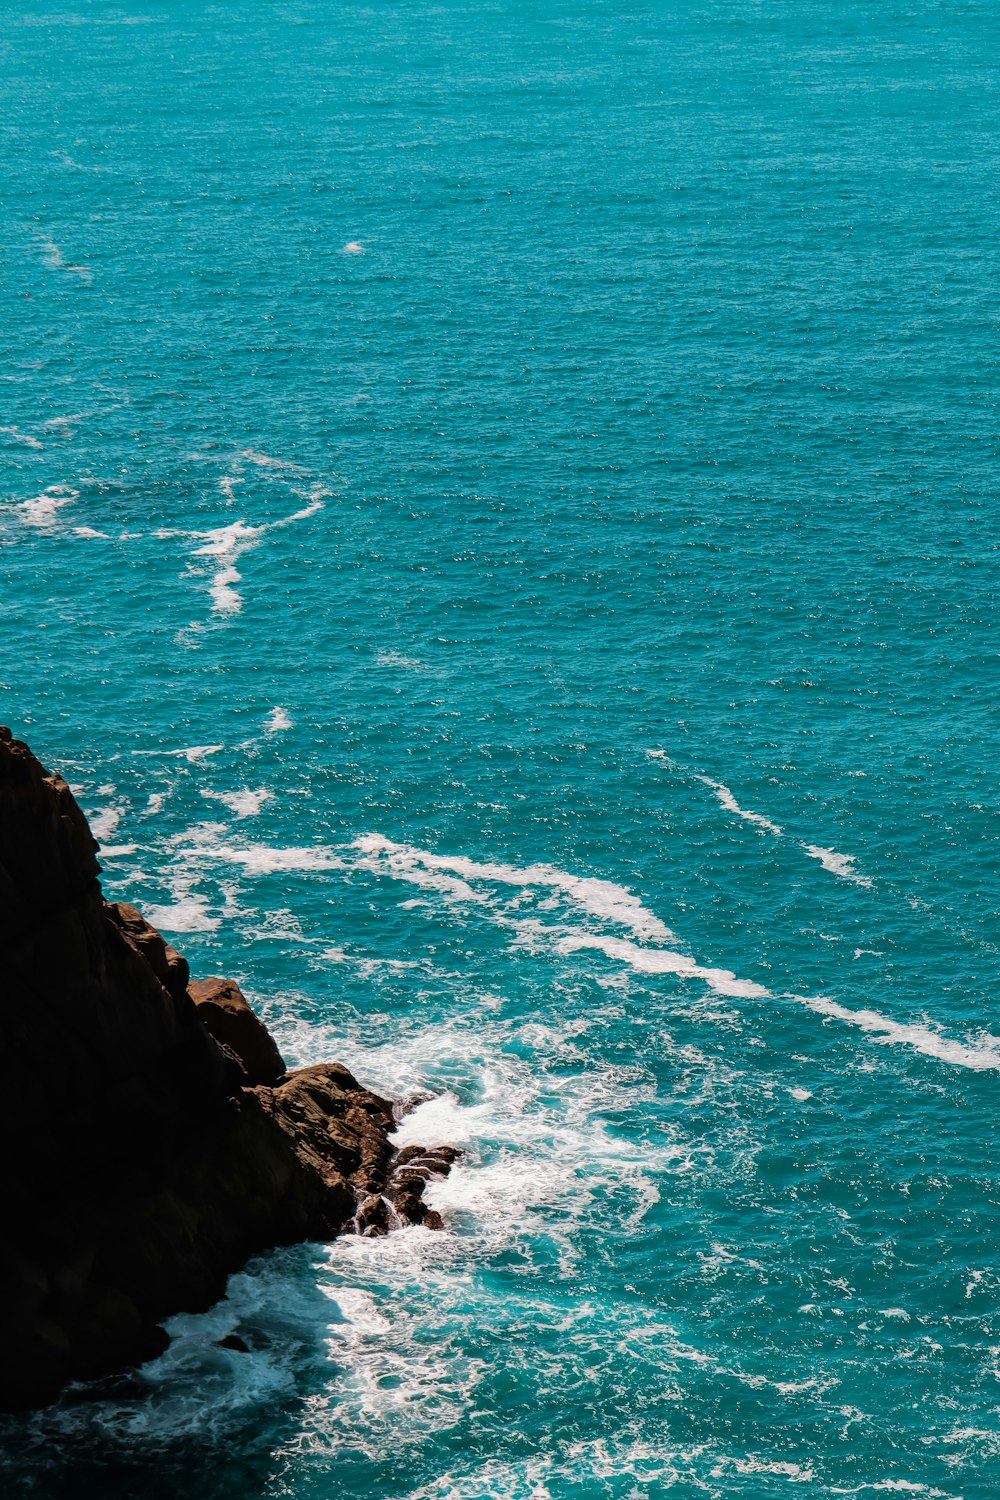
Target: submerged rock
x,y
151,1138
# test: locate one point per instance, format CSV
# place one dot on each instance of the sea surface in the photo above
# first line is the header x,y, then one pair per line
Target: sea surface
x,y
499,528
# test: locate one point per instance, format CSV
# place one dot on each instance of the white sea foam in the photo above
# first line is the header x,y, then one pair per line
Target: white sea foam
x,y
780,1468
24,438
55,260
366,966
397,659
403,862
195,753
981,1056
191,914
316,497
837,864
104,823
600,898
982,1442
537,1157
441,1121
511,1118
529,1478
71,417
831,859
730,803
266,461
224,545
192,753
662,961
197,1389
261,859
256,859
392,1383
42,512
608,902
602,1467
188,909
898,1486
244,803
225,599
374,1330
454,877
277,720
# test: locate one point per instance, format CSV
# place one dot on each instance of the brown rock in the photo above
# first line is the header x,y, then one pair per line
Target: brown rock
x,y
227,1017
373,1217
170,968
149,1141
410,1207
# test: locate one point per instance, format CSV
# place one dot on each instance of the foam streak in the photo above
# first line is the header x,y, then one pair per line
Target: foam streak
x,y
600,898
730,803
921,1038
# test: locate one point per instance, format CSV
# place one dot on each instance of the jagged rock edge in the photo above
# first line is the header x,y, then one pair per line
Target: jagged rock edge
x,y
152,1136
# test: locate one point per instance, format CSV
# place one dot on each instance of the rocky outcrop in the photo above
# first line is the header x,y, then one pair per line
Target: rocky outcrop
x,y
151,1138
225,1014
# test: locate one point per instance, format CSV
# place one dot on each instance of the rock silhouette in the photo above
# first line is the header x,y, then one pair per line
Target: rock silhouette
x,y
151,1138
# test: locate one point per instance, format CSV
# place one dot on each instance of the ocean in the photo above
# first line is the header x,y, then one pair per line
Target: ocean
x,y
499,530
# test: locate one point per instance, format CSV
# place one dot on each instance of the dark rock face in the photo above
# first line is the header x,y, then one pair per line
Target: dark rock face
x,y
151,1138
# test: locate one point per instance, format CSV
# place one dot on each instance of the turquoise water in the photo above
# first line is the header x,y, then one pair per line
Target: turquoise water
x,y
499,528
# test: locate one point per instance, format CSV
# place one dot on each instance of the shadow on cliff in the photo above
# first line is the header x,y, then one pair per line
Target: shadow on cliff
x,y
152,1141
203,1421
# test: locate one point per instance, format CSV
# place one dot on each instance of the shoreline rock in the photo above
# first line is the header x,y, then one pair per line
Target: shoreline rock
x,y
152,1138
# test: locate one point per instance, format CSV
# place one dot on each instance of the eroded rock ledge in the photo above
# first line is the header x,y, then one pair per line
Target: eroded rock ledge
x,y
151,1138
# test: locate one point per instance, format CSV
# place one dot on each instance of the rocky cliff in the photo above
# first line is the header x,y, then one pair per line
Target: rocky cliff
x,y
151,1138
